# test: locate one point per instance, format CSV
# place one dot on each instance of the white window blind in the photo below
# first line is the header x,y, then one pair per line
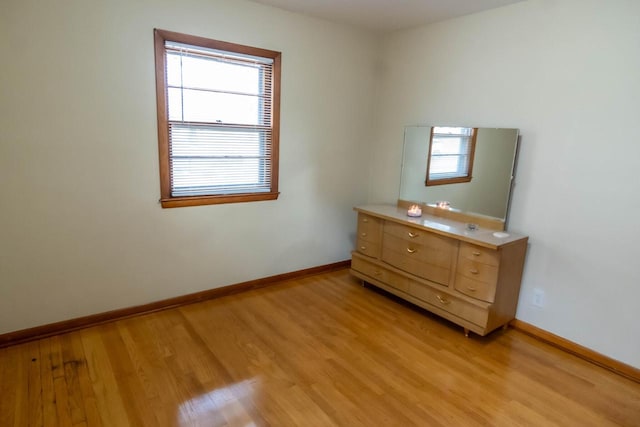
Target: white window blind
x,y
451,151
220,124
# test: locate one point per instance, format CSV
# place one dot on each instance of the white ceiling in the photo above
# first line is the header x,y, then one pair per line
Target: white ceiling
x,y
386,15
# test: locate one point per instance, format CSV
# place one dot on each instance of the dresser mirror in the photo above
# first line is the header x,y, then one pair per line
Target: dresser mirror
x,y
487,193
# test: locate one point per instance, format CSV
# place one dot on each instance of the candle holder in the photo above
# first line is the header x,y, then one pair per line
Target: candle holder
x,y
414,211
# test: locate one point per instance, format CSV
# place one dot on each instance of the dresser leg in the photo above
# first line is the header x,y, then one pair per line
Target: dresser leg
x,y
466,332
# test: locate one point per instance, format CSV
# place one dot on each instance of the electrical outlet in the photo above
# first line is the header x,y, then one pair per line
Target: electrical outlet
x,y
538,298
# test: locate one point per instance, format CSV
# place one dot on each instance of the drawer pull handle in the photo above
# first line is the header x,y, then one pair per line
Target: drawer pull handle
x,y
412,251
365,219
363,248
471,289
473,271
443,300
377,273
364,234
413,235
475,253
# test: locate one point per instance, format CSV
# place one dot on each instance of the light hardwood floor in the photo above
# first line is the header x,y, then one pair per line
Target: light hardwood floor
x,y
319,351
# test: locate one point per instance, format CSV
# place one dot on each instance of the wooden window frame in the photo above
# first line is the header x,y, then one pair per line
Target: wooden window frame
x,y
166,199
455,180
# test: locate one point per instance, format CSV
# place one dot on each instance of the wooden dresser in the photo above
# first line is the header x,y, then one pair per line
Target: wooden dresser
x,y
471,278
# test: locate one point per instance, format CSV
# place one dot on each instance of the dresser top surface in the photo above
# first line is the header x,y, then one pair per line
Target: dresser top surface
x,y
443,226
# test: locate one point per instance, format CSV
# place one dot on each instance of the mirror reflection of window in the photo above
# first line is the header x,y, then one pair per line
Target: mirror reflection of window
x,y
493,168
451,153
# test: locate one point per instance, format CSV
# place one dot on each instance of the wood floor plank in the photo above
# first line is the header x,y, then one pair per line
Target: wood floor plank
x,y
318,351
49,412
9,385
75,352
22,394
103,380
35,385
148,357
63,411
73,364
130,387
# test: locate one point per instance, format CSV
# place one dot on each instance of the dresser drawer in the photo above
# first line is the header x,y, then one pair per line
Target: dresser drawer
x,y
453,305
410,234
420,237
369,227
368,248
369,233
416,259
477,271
478,254
376,272
439,255
481,290
416,267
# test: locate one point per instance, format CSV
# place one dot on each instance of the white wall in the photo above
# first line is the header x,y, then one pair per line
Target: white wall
x,y
566,72
81,230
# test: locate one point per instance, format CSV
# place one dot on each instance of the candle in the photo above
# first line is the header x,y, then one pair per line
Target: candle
x,y
414,210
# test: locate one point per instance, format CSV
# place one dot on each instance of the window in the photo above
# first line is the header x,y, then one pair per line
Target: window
x,y
218,120
451,153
